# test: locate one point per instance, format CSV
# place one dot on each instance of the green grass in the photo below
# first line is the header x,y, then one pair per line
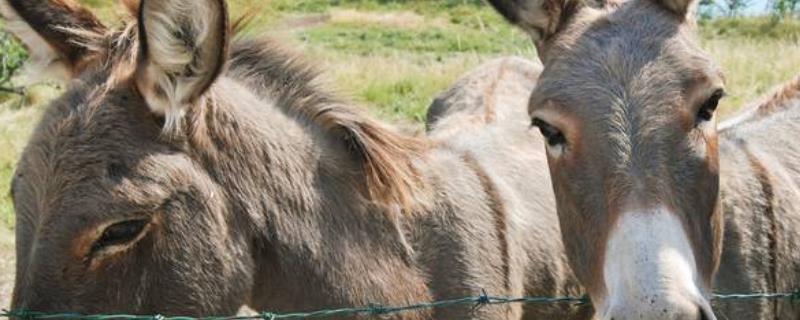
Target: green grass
x,y
753,28
420,6
753,67
15,126
392,86
393,56
365,40
11,61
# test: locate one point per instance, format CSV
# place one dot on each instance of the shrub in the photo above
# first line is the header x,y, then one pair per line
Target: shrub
x,y
12,56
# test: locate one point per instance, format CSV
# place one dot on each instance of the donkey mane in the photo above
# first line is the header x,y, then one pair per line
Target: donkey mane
x,y
777,101
386,156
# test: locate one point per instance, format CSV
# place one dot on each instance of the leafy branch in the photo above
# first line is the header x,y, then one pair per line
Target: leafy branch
x,y
12,57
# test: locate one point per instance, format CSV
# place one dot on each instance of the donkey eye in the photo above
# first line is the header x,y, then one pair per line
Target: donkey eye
x,y
706,111
120,233
552,134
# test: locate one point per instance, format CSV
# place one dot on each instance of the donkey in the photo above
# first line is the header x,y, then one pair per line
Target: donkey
x,y
186,173
626,103
759,189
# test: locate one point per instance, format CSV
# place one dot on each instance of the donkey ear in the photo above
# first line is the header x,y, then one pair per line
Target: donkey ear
x,y
542,19
184,45
51,31
684,8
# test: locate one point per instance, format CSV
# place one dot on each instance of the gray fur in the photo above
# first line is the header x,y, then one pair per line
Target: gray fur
x,y
624,83
278,196
759,188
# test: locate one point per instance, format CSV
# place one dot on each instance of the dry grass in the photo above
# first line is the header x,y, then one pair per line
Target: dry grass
x,y
6,267
393,86
753,67
399,19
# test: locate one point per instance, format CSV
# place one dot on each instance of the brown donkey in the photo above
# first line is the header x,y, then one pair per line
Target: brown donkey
x,y
626,101
184,173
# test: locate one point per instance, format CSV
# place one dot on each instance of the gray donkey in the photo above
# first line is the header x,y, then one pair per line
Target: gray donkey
x,y
646,185
185,173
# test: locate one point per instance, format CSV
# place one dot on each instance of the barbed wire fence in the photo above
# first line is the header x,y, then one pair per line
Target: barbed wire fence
x,y
11,61
375,310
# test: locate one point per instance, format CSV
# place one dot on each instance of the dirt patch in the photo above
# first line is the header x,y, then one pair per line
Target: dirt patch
x,y
399,19
303,22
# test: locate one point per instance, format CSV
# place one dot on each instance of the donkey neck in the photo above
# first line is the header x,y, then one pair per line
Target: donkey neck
x,y
765,133
759,158
759,155
277,165
267,126
300,193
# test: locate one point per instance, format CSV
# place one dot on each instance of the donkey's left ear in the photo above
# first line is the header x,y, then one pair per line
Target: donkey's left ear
x,y
542,19
184,48
685,9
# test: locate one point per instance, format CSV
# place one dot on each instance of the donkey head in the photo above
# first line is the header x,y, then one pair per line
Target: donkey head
x,y
626,102
111,216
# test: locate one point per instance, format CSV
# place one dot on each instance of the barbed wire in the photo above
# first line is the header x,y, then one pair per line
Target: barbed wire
x,y
372,310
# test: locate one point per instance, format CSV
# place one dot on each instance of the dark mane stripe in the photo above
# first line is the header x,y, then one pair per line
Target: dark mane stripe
x,y
499,210
766,182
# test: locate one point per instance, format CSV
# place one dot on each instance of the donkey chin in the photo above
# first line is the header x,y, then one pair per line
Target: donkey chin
x,y
650,271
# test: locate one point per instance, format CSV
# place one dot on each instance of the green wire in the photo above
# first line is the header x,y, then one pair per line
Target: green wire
x,y
476,302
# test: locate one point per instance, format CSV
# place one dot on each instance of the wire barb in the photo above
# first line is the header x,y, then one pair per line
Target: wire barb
x,y
585,300
376,309
483,300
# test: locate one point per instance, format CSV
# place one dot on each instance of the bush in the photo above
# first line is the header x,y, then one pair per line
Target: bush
x,y
12,56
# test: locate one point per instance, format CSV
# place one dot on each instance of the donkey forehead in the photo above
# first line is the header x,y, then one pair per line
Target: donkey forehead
x,y
628,58
66,179
85,137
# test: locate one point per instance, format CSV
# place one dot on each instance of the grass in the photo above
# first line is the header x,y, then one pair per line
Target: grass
x,y
756,54
15,127
7,265
394,88
753,67
754,28
395,55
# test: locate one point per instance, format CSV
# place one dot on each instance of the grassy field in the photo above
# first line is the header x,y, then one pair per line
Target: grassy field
x,y
394,56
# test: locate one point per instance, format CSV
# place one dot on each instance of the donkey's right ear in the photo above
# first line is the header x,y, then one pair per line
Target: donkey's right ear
x,y
50,30
542,19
